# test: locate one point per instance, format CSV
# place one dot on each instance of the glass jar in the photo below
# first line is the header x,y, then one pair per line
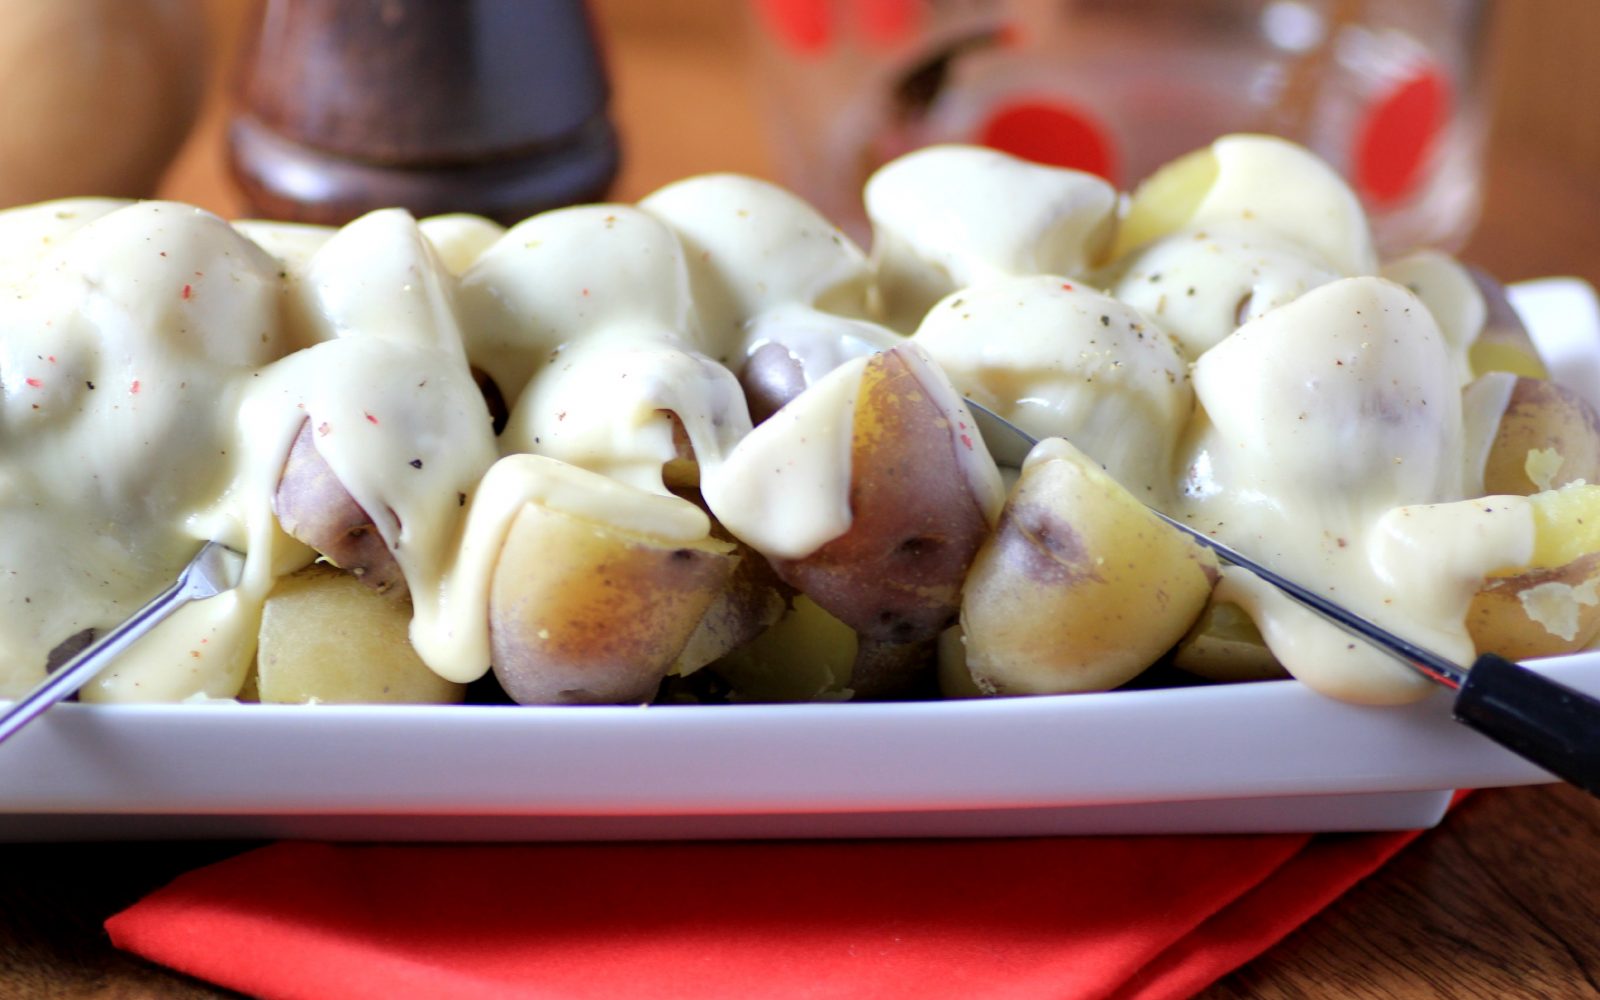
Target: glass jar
x,y
1388,92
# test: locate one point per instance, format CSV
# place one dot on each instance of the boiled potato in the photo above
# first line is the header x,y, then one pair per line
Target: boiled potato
x,y
945,218
1552,605
921,492
326,637
1548,436
1081,587
583,611
1260,180
752,602
1225,646
314,507
807,655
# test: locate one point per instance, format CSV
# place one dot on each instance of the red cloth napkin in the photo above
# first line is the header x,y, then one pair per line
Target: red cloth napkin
x,y
1137,918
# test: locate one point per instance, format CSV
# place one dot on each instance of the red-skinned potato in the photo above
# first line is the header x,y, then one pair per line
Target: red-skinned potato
x,y
1547,437
1081,587
314,507
918,511
585,612
1552,605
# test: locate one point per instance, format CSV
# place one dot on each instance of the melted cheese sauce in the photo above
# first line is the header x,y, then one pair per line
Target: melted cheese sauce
x,y
158,363
1060,360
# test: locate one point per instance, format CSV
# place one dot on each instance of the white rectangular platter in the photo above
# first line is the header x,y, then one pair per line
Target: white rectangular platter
x,y
1270,756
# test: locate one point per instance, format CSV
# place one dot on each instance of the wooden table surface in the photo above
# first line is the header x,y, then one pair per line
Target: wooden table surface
x,y
1499,901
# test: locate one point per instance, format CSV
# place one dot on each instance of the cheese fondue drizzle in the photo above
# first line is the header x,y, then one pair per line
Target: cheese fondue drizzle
x,y
1061,360
123,356
157,365
1316,421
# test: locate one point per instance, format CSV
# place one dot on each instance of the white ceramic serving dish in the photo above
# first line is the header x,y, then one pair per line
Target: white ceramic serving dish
x,y
1269,756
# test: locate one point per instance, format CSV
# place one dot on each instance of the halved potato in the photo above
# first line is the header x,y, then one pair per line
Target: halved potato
x,y
1257,179
1081,587
807,655
1548,436
585,611
1552,605
1225,646
327,638
921,493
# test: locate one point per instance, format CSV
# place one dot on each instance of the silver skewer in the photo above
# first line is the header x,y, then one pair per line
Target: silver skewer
x,y
1009,444
215,569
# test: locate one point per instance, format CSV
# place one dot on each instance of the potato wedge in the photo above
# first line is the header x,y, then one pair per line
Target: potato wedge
x,y
752,602
1270,182
586,612
326,637
1225,646
1548,436
919,501
807,655
1552,605
1081,587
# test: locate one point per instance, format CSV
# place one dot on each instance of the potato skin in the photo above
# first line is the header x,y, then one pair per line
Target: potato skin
x,y
1499,623
895,575
1543,415
314,507
581,613
1080,588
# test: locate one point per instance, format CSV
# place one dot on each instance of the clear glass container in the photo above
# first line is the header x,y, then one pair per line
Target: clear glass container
x,y
1388,91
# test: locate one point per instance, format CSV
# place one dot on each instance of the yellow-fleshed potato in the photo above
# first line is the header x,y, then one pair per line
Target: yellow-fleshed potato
x,y
586,612
1260,179
328,638
807,655
1552,605
1548,436
1226,646
916,513
1081,587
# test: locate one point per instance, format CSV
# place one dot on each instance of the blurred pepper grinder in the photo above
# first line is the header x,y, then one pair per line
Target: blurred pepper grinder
x,y
496,107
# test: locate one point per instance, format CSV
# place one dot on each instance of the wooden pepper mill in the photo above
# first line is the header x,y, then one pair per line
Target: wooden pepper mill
x,y
496,107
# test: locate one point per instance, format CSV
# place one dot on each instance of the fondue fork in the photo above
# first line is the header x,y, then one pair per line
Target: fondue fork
x,y
215,569
1534,717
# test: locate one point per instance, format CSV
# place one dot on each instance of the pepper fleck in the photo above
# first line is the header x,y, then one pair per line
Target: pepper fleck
x,y
416,463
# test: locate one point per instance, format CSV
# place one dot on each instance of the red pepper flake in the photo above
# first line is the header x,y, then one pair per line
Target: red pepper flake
x,y
188,290
194,653
51,358
324,429
33,382
585,293
133,390
370,418
966,441
1066,285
